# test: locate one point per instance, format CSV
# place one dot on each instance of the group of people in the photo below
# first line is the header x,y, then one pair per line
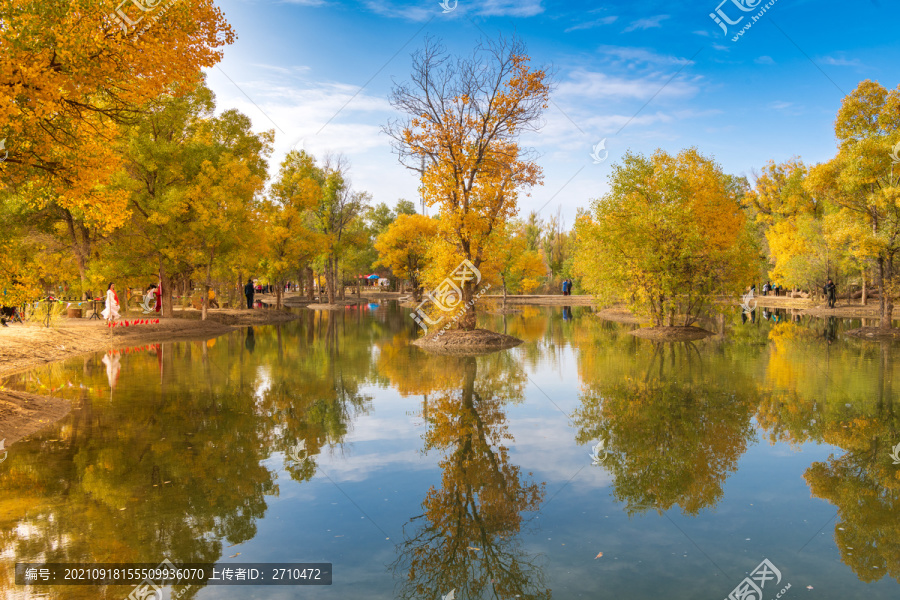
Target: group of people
x,y
769,287
111,310
567,287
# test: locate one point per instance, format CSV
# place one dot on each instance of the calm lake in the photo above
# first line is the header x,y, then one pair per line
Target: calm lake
x,y
584,463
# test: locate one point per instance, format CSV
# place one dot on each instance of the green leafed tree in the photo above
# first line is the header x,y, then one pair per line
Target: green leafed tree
x,y
668,236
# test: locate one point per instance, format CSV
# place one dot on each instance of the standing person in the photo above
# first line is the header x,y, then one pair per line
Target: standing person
x,y
249,291
831,291
158,292
111,312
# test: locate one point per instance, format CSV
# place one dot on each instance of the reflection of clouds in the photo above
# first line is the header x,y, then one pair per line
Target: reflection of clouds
x,y
361,467
548,449
373,429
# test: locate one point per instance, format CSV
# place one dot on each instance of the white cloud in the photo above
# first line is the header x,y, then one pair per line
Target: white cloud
x,y
840,61
648,23
298,110
410,13
485,8
780,105
595,23
509,8
593,85
765,60
287,71
642,55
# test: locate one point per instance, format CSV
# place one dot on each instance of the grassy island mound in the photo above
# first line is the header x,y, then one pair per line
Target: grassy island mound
x,y
672,334
476,341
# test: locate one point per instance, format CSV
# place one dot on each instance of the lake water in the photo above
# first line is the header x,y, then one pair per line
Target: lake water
x,y
330,439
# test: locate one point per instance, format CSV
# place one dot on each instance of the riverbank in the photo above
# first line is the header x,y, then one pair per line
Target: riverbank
x,y
26,345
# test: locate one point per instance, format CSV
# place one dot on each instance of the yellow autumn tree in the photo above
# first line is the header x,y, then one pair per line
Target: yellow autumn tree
x,y
517,268
289,245
668,236
861,182
464,119
790,218
403,248
71,71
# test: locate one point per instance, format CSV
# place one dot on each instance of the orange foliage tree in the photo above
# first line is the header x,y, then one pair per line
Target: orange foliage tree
x,y
71,71
464,117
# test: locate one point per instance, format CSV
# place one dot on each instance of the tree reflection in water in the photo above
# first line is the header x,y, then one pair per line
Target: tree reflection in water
x,y
845,399
467,538
173,464
673,432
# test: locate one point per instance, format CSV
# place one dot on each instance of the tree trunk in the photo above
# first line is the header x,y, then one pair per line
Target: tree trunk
x,y
309,276
166,292
887,306
329,279
204,301
864,296
503,279
81,247
467,321
279,289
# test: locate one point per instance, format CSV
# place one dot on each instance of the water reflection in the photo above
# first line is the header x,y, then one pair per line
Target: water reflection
x,y
673,428
853,408
174,450
174,463
466,539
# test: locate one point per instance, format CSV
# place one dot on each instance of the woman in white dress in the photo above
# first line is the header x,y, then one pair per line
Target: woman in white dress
x,y
111,312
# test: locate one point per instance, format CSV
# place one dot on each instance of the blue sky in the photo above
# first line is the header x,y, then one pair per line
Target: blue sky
x,y
642,75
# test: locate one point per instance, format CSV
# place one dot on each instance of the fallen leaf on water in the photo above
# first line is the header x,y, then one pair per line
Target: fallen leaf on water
x,y
599,554
235,554
809,587
475,549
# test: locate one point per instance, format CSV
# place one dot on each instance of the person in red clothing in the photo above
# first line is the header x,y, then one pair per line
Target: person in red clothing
x,y
158,292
